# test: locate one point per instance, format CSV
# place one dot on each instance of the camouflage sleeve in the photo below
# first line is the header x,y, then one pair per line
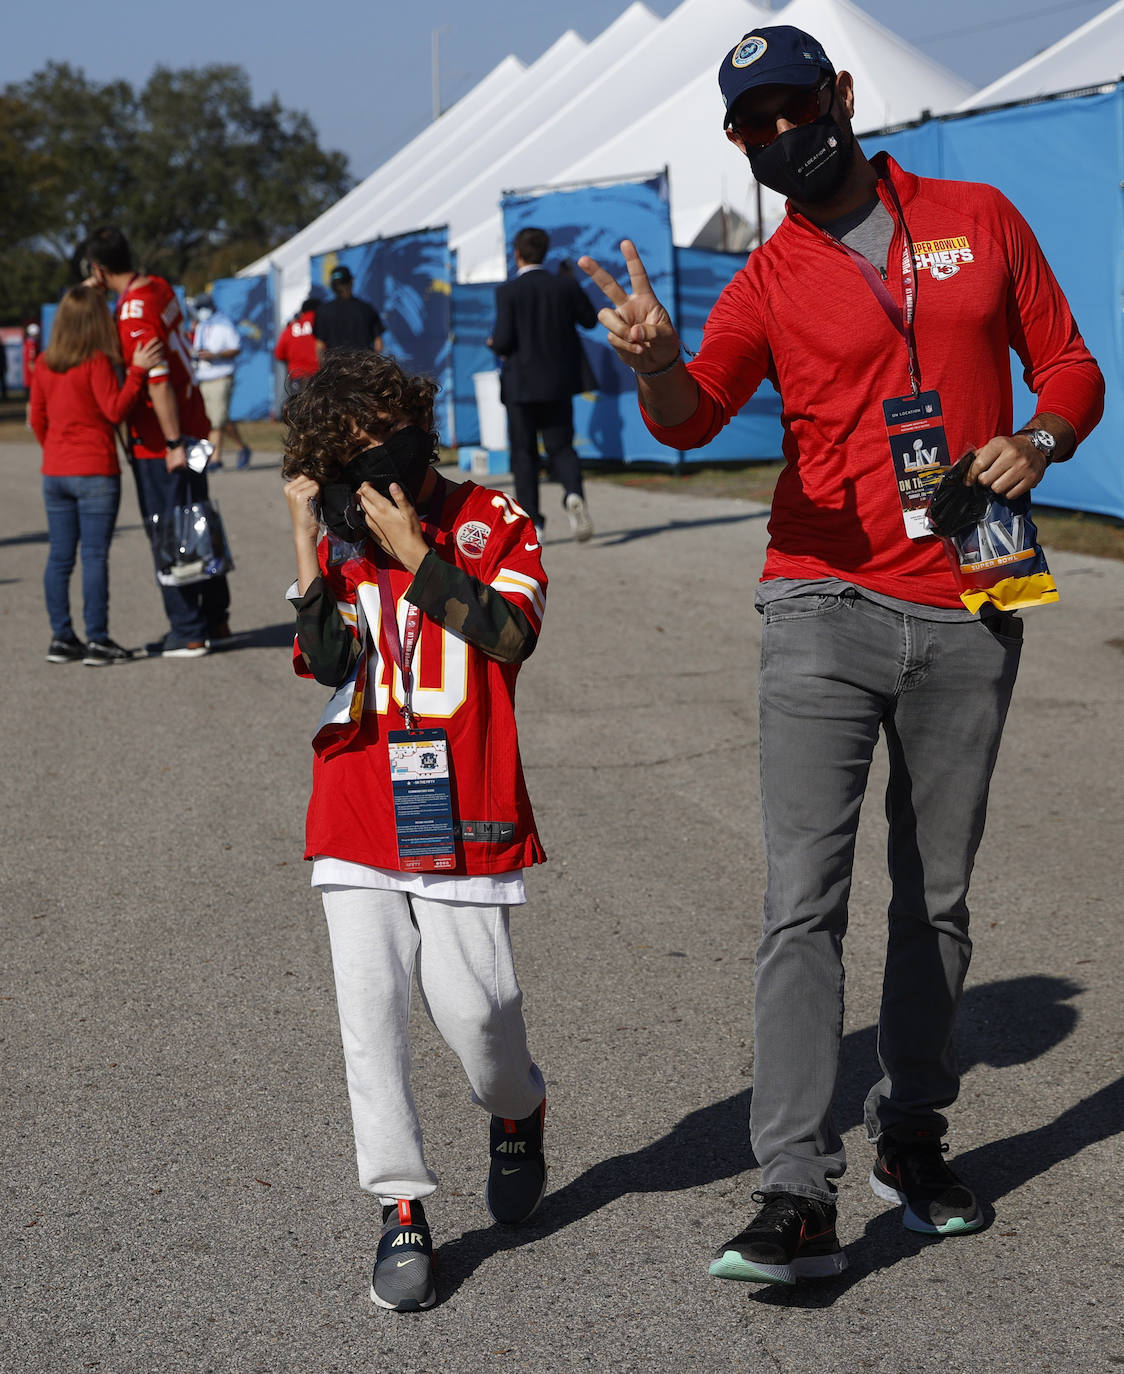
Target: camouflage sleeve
x,y
329,647
450,596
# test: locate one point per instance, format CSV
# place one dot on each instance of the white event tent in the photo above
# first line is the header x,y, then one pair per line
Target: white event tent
x,y
586,112
1091,55
893,84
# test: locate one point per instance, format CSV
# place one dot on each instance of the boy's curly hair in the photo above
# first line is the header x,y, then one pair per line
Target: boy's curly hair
x,y
354,390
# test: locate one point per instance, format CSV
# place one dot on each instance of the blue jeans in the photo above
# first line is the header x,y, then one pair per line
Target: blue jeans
x,y
80,510
836,671
196,610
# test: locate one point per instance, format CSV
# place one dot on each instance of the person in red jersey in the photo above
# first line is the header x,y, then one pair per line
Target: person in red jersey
x,y
76,403
417,600
883,309
29,353
296,347
167,416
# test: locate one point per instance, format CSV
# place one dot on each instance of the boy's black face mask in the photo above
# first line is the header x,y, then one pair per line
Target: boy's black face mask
x,y
404,458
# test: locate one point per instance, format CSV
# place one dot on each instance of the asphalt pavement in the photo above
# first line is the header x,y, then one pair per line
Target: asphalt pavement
x,y
179,1174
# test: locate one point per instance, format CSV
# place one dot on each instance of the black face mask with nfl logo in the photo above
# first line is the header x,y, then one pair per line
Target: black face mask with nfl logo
x,y
807,164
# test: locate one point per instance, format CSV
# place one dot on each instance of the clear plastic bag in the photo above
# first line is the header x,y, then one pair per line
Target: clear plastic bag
x,y
991,543
189,544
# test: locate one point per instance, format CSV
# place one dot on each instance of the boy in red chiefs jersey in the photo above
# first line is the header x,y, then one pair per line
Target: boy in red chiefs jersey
x,y
169,413
417,600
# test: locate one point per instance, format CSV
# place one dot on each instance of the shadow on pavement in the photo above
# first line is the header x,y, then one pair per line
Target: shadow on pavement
x,y
278,636
614,537
1001,1024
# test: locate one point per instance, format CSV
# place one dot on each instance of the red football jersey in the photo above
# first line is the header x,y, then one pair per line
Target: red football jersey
x,y
296,347
30,353
456,687
152,311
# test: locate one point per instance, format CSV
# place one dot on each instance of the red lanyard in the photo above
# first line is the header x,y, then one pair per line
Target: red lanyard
x,y
901,319
401,648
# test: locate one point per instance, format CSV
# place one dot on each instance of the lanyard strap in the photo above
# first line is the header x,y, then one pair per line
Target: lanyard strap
x,y
401,648
901,319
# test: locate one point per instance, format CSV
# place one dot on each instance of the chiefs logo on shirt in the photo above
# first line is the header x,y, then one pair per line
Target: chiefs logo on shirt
x,y
943,258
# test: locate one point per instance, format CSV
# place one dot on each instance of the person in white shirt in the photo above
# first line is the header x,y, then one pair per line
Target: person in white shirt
x,y
216,343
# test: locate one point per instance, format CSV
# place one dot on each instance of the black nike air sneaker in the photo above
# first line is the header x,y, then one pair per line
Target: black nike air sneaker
x,y
517,1173
911,1169
790,1238
403,1277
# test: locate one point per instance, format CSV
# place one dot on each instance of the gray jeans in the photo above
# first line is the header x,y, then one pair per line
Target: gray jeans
x,y
835,670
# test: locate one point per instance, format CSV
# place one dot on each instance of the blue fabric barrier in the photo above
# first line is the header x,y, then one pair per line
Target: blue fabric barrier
x,y
408,279
474,313
593,219
755,432
248,301
1061,162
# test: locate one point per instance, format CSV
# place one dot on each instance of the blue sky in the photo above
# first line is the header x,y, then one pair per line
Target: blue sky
x,y
361,69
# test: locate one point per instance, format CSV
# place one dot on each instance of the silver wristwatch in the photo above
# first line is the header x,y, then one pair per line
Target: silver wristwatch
x,y
1043,441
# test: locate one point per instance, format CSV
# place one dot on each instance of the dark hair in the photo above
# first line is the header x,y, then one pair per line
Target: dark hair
x,y
109,248
355,391
309,303
82,327
531,244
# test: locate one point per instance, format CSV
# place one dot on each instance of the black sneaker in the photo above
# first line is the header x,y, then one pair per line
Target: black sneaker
x,y
913,1171
102,651
403,1277
790,1238
517,1173
68,649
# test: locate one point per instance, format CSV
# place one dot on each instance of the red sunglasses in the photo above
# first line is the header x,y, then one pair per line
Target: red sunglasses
x,y
757,130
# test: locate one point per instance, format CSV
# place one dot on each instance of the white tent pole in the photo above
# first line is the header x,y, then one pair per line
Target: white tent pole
x,y
436,65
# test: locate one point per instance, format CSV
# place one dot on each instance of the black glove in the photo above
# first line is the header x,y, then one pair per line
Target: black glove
x,y
953,506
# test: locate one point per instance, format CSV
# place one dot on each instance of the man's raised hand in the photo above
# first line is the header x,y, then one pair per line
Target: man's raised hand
x,y
640,329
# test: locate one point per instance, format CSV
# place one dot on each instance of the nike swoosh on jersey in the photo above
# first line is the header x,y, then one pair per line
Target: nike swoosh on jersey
x,y
532,547
135,333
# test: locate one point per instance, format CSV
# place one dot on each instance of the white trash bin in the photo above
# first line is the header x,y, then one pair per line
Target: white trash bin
x,y
489,408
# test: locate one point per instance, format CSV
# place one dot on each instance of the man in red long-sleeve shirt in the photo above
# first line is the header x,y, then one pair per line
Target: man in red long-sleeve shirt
x,y
169,413
881,298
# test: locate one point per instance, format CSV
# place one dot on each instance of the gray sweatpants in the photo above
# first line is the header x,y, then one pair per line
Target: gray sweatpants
x,y
466,976
835,671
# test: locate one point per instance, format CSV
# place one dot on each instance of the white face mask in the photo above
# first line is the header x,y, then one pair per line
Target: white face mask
x,y
204,312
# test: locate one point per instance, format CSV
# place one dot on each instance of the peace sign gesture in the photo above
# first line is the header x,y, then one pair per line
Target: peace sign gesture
x,y
640,329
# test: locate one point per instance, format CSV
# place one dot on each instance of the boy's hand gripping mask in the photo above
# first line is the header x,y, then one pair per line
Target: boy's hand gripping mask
x,y
404,458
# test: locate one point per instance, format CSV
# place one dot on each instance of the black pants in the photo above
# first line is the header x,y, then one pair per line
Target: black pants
x,y
554,420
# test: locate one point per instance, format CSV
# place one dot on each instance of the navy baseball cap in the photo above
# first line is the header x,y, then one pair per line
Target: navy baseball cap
x,y
775,56
341,273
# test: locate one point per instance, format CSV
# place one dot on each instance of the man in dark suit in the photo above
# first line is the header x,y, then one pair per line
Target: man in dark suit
x,y
543,369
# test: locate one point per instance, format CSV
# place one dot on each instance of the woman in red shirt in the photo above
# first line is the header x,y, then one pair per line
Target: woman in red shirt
x,y
76,400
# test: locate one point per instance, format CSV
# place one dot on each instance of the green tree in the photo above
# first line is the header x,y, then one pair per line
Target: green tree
x,y
201,179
